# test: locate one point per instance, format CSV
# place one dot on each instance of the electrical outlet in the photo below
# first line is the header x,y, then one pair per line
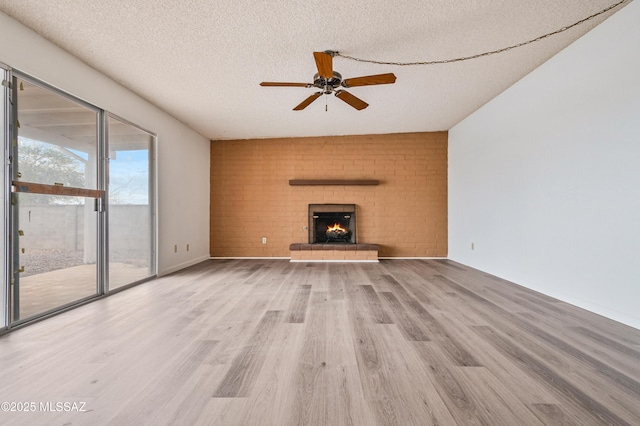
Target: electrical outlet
x,y
264,240
187,247
473,246
175,248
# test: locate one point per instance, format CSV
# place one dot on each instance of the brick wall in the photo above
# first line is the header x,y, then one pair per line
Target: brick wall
x,y
406,214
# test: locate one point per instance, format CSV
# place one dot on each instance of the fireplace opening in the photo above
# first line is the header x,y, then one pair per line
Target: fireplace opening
x,y
332,223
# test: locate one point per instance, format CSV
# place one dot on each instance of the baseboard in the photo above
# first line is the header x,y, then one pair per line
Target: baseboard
x,y
182,266
248,257
287,257
333,261
413,258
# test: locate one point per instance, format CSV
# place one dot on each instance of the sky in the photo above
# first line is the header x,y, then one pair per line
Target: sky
x,y
129,177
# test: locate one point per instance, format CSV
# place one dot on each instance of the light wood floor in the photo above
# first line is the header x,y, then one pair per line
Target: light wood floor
x,y
268,342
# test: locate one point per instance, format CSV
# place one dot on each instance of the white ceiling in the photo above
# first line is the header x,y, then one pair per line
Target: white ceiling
x,y
202,60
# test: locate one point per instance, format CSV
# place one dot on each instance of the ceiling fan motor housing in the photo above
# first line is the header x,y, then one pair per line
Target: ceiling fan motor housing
x,y
328,85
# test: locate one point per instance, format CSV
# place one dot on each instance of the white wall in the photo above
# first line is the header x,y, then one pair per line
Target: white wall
x,y
545,178
182,156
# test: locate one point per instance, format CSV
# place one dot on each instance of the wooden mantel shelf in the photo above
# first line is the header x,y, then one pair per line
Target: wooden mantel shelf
x,y
300,182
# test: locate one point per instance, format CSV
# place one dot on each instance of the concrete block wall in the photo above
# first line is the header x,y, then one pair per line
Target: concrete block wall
x,y
406,214
62,227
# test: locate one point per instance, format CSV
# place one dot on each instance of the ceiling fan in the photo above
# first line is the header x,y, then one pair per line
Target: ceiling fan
x,y
330,81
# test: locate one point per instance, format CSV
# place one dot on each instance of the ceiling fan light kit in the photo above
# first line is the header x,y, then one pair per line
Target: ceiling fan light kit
x,y
330,81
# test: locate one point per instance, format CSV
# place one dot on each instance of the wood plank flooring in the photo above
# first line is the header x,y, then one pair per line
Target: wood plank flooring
x,y
268,342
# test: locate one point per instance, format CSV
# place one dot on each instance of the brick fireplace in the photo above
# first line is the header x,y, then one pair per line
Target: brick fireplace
x,y
404,212
332,236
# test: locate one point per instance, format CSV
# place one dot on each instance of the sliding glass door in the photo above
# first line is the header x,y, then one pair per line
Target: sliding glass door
x,y
79,211
56,201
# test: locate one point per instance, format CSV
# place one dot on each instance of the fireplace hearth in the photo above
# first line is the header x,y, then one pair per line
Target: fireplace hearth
x,y
332,223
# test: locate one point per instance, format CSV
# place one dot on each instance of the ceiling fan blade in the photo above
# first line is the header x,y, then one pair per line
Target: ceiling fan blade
x,y
307,101
355,102
324,62
370,80
276,84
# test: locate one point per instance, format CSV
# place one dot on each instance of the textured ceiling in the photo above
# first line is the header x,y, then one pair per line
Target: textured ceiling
x,y
202,60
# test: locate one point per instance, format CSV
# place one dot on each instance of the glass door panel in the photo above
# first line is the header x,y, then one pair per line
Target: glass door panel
x,y
57,262
130,195
54,220
57,138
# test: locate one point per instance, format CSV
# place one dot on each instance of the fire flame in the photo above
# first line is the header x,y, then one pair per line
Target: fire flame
x,y
336,228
